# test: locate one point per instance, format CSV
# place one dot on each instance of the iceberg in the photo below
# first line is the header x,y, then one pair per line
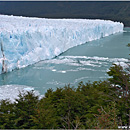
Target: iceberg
x,y
25,41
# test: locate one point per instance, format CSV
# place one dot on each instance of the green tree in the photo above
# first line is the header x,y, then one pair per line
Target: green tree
x,y
25,106
7,115
120,80
68,107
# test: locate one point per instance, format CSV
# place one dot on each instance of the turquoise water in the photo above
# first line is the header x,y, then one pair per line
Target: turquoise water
x,y
89,61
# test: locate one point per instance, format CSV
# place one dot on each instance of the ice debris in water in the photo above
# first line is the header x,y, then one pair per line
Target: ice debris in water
x,y
25,41
11,92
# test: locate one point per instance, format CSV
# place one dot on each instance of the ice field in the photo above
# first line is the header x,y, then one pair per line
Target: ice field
x,y
25,41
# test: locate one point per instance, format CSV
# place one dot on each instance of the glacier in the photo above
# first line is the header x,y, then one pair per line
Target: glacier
x,y
25,41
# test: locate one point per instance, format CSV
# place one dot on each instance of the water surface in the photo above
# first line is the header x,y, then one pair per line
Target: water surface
x,y
87,62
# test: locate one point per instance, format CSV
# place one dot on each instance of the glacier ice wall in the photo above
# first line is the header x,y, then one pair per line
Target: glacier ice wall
x,y
25,41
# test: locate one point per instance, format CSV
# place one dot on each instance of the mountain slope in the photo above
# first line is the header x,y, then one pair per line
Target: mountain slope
x,y
117,11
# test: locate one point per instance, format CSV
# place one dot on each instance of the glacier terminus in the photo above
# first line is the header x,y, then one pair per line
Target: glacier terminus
x,y
25,41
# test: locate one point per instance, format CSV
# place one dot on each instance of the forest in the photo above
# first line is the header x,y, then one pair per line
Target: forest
x,y
97,105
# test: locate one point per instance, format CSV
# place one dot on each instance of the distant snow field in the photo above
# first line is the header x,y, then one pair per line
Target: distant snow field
x,y
25,41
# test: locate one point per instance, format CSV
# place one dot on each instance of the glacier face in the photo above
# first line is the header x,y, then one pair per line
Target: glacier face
x,y
25,41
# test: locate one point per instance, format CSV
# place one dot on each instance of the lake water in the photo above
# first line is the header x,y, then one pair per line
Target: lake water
x,y
87,62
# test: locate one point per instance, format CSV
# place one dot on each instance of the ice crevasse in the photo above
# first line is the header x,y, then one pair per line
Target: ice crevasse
x,y
25,41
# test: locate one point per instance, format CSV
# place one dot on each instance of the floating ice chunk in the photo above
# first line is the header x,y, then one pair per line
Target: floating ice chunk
x,y
28,89
94,61
123,64
63,71
54,70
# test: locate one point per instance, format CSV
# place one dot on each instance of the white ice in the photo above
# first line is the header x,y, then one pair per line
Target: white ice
x,y
11,92
25,41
